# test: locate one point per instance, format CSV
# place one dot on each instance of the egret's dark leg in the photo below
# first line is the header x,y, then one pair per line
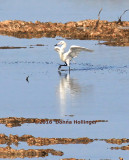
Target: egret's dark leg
x,y
69,69
62,65
59,67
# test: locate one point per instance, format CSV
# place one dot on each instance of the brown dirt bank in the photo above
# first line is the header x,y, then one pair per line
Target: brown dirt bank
x,y
31,140
16,122
7,47
122,148
39,141
116,141
10,153
113,32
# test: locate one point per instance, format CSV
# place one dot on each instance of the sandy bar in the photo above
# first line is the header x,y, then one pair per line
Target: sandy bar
x,y
117,33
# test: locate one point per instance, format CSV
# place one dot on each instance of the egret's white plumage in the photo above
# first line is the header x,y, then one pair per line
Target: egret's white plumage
x,y
70,54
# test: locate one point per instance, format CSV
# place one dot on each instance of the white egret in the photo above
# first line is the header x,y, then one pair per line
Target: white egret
x,y
70,54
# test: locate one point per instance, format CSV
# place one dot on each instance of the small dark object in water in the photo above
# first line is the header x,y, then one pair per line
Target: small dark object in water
x,y
27,79
38,45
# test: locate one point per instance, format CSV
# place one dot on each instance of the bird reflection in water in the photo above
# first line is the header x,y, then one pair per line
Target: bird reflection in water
x,y
68,89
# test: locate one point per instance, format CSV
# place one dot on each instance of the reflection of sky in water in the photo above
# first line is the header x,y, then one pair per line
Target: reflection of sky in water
x,y
62,11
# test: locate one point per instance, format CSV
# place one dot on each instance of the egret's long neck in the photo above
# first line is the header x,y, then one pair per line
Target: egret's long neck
x,y
61,54
63,47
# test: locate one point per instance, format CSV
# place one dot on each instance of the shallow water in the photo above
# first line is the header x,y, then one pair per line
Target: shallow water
x,y
97,87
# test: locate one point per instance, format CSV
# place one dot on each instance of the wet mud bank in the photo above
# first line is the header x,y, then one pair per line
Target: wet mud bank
x,y
116,33
40,141
122,148
11,153
31,140
7,47
16,121
11,143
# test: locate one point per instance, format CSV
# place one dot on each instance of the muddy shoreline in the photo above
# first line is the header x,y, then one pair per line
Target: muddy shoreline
x,y
116,33
16,122
41,141
9,152
7,142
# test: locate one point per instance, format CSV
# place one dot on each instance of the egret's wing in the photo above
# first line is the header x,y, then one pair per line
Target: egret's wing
x,y
75,50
